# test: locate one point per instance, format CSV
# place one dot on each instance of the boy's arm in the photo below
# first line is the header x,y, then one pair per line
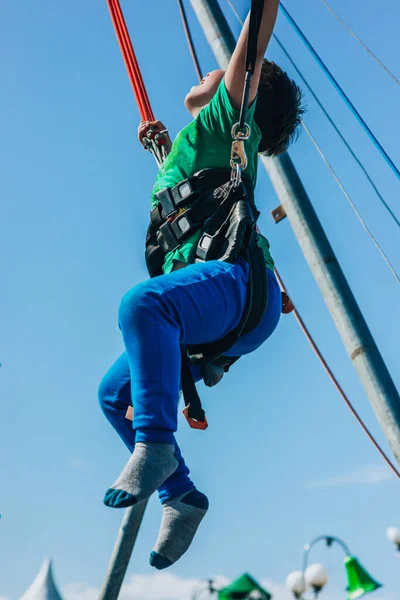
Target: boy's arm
x,y
234,76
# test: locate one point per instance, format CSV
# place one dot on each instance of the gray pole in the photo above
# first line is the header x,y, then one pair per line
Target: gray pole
x,y
216,29
122,551
319,254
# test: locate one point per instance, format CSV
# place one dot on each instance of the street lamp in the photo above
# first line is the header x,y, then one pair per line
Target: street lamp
x,y
315,577
393,535
296,583
204,585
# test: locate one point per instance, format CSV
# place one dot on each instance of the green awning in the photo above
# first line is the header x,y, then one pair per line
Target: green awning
x,y
242,588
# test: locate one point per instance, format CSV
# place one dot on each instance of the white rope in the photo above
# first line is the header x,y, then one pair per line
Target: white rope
x,y
353,206
359,40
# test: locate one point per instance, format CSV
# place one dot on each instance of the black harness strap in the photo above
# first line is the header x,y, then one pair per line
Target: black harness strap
x,y
211,356
193,410
169,226
227,216
223,208
256,13
256,300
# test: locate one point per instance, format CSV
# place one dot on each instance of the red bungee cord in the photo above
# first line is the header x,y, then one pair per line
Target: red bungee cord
x,y
130,60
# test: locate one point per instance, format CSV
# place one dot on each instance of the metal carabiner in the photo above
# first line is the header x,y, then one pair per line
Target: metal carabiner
x,y
236,175
238,134
239,160
238,154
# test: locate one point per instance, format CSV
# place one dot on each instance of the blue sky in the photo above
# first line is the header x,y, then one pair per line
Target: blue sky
x,y
290,462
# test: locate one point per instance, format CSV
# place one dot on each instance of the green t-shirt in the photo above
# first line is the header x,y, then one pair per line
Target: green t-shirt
x,y
205,143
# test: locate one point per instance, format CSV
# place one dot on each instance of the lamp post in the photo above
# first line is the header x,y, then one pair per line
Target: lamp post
x,y
314,577
393,535
204,585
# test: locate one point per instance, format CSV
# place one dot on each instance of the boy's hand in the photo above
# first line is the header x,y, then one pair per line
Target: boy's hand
x,y
144,127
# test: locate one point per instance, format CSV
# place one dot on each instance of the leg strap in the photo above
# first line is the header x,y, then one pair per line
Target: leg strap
x,y
193,410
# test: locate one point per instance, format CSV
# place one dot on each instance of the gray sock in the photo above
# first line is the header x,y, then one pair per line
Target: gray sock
x,y
181,517
148,467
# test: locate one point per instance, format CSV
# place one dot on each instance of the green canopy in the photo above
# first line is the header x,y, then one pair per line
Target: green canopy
x,y
242,588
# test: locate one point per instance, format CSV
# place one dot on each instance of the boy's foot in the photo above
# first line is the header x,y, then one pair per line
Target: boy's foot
x,y
181,517
148,467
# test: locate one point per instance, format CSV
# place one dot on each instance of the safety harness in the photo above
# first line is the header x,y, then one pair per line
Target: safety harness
x,y
220,204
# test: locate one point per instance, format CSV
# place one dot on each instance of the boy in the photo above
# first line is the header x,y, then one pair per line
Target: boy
x,y
198,304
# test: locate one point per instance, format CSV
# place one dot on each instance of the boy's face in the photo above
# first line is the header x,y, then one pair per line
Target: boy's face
x,y
200,95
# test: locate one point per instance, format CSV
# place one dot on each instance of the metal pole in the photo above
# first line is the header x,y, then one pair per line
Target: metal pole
x,y
216,29
346,314
338,296
122,551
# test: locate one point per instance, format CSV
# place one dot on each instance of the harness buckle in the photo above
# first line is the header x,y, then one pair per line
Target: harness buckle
x,y
167,202
195,423
181,223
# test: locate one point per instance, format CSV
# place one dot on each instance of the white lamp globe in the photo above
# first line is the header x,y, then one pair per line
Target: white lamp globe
x,y
393,535
316,576
295,583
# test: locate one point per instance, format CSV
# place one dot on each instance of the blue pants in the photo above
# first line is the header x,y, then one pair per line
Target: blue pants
x,y
195,305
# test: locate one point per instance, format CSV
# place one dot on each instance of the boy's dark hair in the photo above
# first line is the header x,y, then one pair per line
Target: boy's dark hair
x,y
278,110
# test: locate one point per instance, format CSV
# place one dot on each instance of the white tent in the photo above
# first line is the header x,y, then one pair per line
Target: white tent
x,y
43,588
